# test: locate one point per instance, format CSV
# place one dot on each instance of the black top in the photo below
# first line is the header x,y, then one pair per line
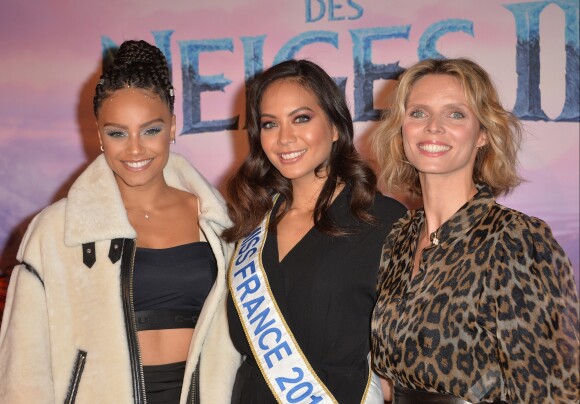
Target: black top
x,y
326,290
171,284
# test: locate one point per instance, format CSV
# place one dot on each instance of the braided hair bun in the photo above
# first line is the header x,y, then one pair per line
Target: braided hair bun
x,y
136,64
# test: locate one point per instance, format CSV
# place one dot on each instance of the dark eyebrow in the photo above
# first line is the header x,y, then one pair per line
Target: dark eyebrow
x,y
293,112
142,126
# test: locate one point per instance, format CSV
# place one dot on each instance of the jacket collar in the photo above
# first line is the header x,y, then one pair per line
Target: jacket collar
x,y
468,216
95,211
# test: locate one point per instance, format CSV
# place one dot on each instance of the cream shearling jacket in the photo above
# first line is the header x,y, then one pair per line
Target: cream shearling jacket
x,y
68,331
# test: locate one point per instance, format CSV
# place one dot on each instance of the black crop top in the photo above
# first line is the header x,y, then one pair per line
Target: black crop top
x,y
170,285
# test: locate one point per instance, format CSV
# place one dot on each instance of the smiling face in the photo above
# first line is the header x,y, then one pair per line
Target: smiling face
x,y
295,134
135,128
440,131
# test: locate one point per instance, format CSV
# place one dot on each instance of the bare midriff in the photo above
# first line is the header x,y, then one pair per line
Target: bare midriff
x,y
159,347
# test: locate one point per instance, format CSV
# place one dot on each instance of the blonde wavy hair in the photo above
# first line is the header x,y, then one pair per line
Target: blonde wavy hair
x,y
496,162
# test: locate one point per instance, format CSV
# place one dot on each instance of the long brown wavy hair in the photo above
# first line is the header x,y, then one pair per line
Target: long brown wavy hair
x,y
251,189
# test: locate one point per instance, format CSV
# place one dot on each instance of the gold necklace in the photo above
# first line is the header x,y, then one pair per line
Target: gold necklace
x,y
432,236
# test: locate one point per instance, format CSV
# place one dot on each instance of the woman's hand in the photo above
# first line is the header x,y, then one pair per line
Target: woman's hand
x,y
387,387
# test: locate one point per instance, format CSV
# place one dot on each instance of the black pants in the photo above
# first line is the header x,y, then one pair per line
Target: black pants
x,y
163,383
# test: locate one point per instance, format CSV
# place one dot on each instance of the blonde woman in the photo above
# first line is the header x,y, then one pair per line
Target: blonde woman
x,y
477,302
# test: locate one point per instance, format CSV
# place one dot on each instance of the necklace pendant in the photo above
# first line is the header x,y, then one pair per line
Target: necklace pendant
x,y
433,238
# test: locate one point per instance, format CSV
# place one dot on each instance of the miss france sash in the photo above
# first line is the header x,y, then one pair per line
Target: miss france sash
x,y
282,363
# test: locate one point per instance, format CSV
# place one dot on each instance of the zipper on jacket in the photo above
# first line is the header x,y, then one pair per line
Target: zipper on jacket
x,y
127,267
77,372
194,386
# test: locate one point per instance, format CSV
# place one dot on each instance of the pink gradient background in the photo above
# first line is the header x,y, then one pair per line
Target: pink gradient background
x,y
51,62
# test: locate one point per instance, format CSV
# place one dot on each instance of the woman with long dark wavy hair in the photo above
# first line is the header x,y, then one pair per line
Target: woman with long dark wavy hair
x,y
309,224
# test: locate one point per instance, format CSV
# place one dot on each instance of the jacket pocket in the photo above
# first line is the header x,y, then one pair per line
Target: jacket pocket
x,y
75,379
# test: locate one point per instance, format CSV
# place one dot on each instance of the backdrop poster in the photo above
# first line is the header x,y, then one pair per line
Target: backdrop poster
x,y
51,61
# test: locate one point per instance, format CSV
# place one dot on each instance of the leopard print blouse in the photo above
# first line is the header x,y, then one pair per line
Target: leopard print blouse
x,y
492,314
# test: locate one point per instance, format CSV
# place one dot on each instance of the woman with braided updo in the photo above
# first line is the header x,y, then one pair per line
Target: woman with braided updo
x,y
119,294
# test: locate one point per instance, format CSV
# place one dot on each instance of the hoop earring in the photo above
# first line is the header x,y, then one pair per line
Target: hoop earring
x,y
102,148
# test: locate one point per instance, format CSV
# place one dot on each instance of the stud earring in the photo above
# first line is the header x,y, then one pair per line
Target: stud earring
x,y
172,141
